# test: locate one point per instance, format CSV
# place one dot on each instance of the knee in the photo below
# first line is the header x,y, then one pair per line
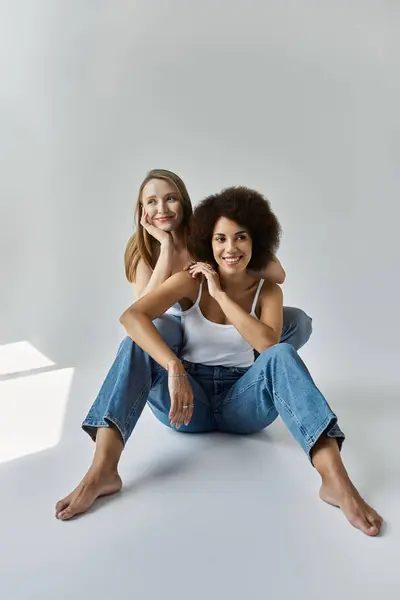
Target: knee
x,y
305,326
297,326
125,346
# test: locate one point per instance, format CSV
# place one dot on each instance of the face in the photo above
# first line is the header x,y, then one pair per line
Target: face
x,y
161,202
231,245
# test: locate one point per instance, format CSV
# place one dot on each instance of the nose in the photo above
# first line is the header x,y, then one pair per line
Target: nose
x,y
231,247
162,207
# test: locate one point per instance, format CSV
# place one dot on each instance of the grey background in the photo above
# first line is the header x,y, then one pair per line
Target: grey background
x,y
297,99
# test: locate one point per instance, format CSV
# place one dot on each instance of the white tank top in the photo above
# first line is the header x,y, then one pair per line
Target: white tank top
x,y
213,344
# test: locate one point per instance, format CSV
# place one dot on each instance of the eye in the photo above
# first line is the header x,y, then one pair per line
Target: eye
x,y
151,201
242,236
220,239
172,199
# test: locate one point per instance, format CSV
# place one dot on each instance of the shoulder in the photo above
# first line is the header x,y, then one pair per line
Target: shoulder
x,y
271,291
184,282
142,268
141,277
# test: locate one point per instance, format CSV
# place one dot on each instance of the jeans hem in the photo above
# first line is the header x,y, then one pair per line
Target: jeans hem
x,y
332,430
89,425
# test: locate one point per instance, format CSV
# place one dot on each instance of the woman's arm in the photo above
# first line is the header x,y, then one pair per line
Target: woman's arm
x,y
148,280
263,333
137,319
273,272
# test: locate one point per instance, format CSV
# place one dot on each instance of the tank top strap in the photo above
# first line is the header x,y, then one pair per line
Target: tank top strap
x,y
253,308
196,304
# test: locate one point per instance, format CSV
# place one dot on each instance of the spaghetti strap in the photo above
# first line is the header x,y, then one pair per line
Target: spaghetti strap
x,y
253,308
199,295
196,304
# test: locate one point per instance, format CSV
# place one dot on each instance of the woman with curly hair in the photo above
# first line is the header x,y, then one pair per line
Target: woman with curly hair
x,y
159,248
213,382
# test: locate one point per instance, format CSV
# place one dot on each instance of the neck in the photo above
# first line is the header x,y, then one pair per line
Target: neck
x,y
179,240
235,280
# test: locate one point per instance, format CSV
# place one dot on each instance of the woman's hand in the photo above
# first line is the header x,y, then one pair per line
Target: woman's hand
x,y
213,281
161,236
188,266
181,395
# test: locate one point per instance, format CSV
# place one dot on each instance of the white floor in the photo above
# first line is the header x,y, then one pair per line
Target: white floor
x,y
208,516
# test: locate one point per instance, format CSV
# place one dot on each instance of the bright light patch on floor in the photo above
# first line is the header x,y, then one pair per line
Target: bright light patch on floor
x,y
21,356
32,410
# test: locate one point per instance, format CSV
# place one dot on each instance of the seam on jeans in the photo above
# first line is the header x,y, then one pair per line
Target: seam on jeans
x,y
244,389
324,426
145,389
96,423
294,417
118,424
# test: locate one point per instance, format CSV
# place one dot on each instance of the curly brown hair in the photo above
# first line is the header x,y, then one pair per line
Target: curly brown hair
x,y
247,208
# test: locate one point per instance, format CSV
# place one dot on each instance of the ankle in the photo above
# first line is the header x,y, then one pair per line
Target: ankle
x,y
330,466
103,465
335,476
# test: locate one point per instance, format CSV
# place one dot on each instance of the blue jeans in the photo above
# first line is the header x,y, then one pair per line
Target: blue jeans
x,y
297,327
231,399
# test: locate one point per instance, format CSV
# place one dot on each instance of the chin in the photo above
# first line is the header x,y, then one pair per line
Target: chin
x,y
168,226
231,270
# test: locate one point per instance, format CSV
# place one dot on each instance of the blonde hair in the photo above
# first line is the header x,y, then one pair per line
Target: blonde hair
x,y
143,246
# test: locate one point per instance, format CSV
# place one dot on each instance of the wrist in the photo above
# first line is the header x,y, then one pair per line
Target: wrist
x,y
167,245
174,365
220,296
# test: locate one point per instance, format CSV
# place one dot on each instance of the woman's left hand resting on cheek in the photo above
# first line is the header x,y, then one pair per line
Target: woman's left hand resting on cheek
x,y
213,281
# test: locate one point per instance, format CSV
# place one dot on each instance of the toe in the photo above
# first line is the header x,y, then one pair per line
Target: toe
x,y
372,530
361,522
61,504
375,521
66,514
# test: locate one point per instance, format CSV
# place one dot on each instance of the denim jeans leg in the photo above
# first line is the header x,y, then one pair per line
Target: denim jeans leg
x,y
124,393
297,327
279,384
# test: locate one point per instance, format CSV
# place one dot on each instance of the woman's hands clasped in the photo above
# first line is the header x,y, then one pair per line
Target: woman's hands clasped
x,y
212,277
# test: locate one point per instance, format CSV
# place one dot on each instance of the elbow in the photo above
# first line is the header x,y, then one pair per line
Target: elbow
x,y
265,346
132,318
281,278
127,317
267,342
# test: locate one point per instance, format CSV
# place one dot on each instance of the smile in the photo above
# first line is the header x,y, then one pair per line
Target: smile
x,y
163,219
232,260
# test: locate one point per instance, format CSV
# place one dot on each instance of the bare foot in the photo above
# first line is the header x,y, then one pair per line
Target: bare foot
x,y
343,494
96,483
